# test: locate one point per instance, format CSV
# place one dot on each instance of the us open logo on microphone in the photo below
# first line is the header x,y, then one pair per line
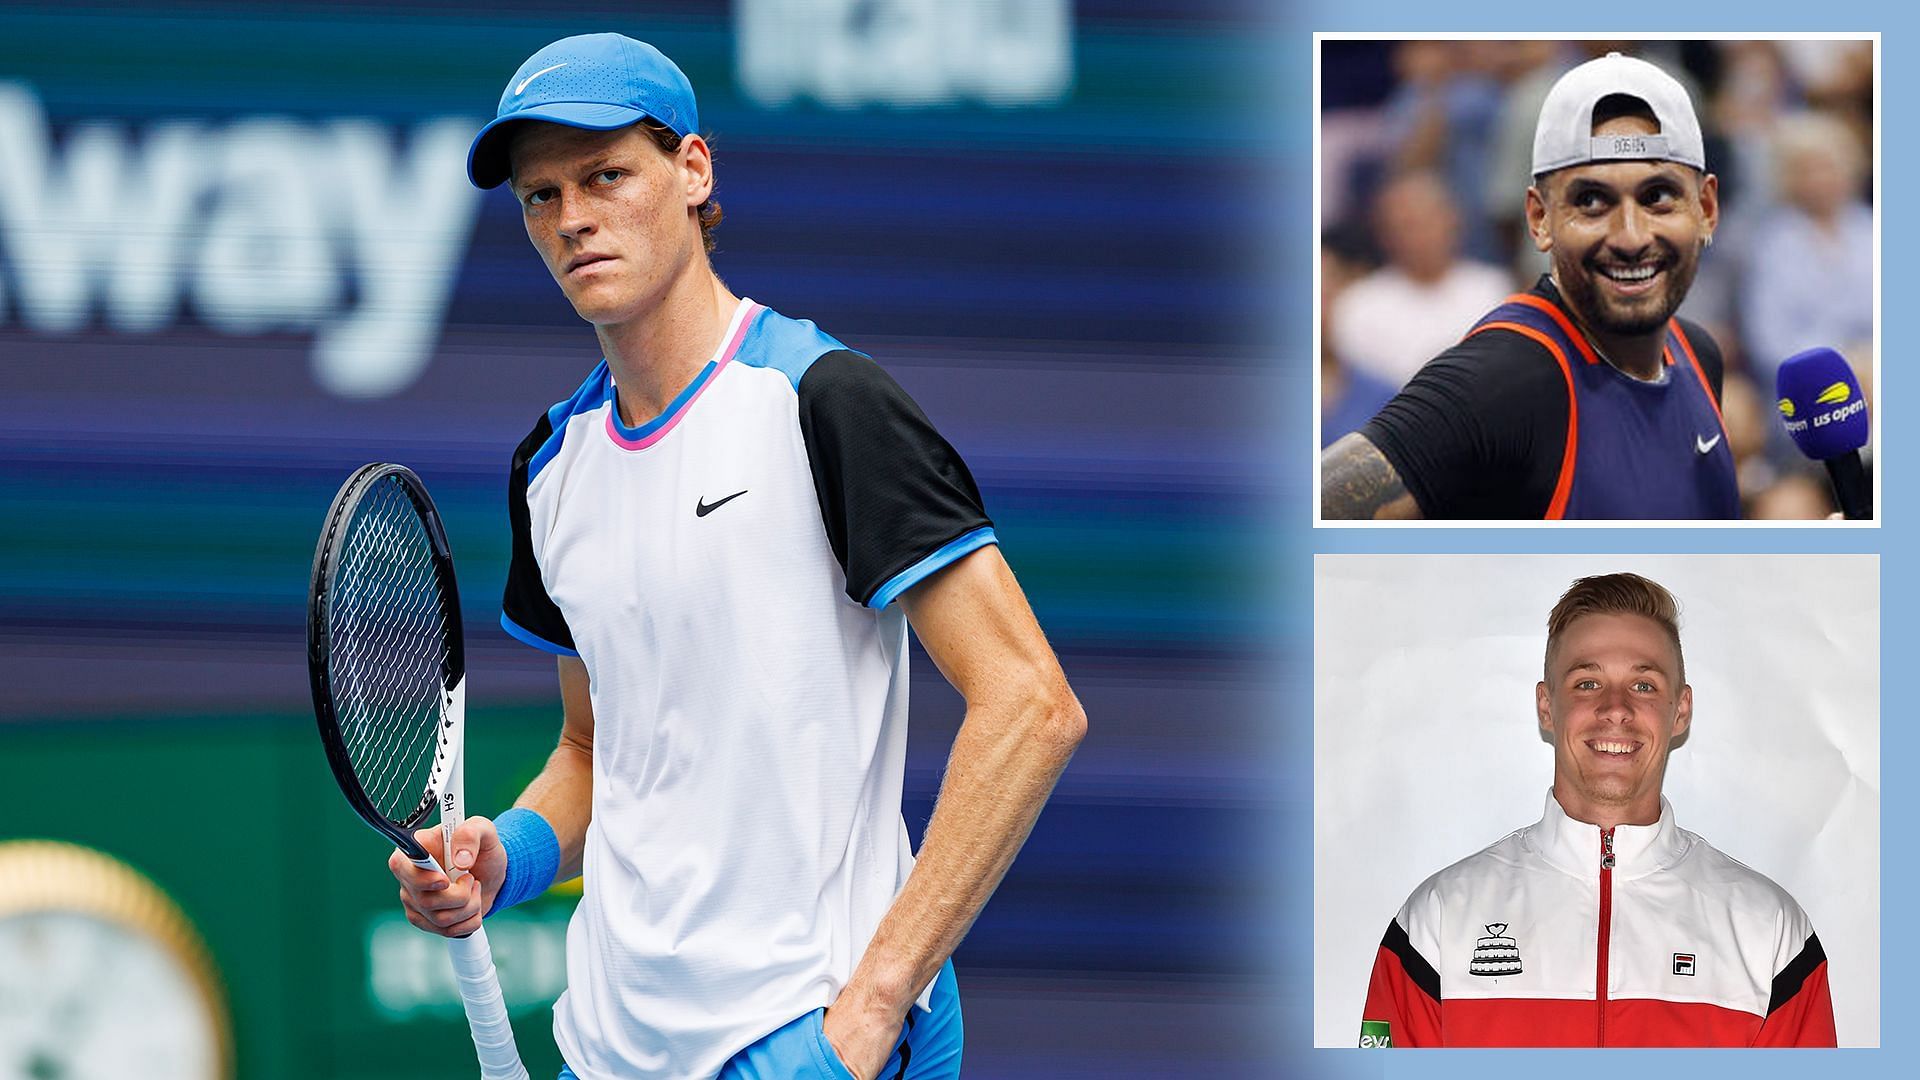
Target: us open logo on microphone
x,y
1837,394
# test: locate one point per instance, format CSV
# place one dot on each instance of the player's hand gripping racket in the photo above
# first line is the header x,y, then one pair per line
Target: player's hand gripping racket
x,y
388,666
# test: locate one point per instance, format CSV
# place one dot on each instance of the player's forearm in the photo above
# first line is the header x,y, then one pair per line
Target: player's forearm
x,y
1004,763
1358,482
563,795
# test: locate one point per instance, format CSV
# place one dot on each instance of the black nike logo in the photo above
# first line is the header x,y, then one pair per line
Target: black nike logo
x,y
701,507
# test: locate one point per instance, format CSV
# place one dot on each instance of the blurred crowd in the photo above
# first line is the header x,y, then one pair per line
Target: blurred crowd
x,y
1425,155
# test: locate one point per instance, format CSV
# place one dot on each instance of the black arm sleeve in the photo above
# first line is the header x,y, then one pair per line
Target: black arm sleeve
x,y
895,496
526,604
1478,432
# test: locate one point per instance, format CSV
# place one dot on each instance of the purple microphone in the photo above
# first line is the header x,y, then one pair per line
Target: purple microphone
x,y
1821,404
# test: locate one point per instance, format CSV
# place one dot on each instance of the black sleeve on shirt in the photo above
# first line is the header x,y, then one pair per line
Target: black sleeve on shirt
x,y
526,601
1416,966
1788,982
1479,432
1707,351
891,490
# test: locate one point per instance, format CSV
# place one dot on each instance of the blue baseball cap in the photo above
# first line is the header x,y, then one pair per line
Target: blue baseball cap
x,y
595,81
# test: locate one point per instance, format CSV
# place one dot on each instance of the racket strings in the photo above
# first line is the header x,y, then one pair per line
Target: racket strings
x,y
392,701
397,685
388,631
403,692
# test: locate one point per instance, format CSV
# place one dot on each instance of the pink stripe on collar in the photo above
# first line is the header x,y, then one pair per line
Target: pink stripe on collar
x,y
714,367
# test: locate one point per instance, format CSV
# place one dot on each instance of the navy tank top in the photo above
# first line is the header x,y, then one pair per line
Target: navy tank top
x,y
1635,449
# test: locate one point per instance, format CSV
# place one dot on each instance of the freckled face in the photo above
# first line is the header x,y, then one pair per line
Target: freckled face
x,y
1613,702
608,212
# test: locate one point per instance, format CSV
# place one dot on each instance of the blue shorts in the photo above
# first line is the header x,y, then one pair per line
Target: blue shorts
x,y
929,1047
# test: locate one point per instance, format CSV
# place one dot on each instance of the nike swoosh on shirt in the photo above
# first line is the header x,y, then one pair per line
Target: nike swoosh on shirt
x,y
522,88
701,507
1705,446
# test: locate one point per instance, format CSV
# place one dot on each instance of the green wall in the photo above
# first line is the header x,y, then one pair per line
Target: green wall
x,y
238,819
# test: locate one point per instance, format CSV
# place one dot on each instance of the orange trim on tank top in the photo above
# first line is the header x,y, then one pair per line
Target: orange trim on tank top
x,y
1551,309
1563,487
1687,347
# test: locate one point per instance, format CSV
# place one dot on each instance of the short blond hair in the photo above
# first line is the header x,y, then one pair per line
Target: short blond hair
x,y
1617,594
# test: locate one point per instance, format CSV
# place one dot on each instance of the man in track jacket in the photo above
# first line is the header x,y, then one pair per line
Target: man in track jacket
x,y
1605,923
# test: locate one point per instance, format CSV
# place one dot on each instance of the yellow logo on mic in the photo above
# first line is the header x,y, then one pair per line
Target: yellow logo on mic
x,y
1786,407
1834,395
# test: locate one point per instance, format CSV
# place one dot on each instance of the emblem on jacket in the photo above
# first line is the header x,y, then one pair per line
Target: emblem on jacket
x,y
1495,954
1683,963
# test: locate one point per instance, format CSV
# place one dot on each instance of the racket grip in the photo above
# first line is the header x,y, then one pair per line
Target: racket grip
x,y
486,1008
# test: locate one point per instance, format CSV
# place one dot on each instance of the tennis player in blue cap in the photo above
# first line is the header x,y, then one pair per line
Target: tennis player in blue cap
x,y
723,535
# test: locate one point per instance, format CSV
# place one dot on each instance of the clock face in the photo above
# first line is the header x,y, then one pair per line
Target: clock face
x,y
87,998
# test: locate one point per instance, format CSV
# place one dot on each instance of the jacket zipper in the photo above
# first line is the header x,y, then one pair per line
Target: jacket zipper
x,y
1606,932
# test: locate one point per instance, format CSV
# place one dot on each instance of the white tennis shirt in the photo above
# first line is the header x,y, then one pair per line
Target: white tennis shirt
x,y
726,572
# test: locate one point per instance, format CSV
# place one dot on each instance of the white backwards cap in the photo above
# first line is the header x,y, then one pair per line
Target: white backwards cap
x,y
1564,135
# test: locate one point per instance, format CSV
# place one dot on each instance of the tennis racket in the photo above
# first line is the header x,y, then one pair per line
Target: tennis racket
x,y
388,667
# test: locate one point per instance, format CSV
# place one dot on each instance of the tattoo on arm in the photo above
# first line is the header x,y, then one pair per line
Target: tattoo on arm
x,y
1358,482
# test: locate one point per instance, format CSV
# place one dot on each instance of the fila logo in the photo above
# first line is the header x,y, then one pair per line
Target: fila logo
x,y
1683,963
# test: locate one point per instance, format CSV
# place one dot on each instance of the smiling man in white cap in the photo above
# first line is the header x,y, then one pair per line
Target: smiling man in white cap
x,y
723,535
1585,397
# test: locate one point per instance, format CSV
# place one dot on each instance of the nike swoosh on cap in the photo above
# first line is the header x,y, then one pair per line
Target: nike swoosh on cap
x,y
522,88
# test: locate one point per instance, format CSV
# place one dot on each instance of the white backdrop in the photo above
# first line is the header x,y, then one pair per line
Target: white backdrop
x,y
1426,748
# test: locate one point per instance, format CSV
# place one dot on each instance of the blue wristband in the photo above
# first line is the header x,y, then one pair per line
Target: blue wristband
x,y
533,857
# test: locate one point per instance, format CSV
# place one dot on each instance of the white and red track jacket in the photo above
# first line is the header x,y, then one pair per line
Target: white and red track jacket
x,y
1686,947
